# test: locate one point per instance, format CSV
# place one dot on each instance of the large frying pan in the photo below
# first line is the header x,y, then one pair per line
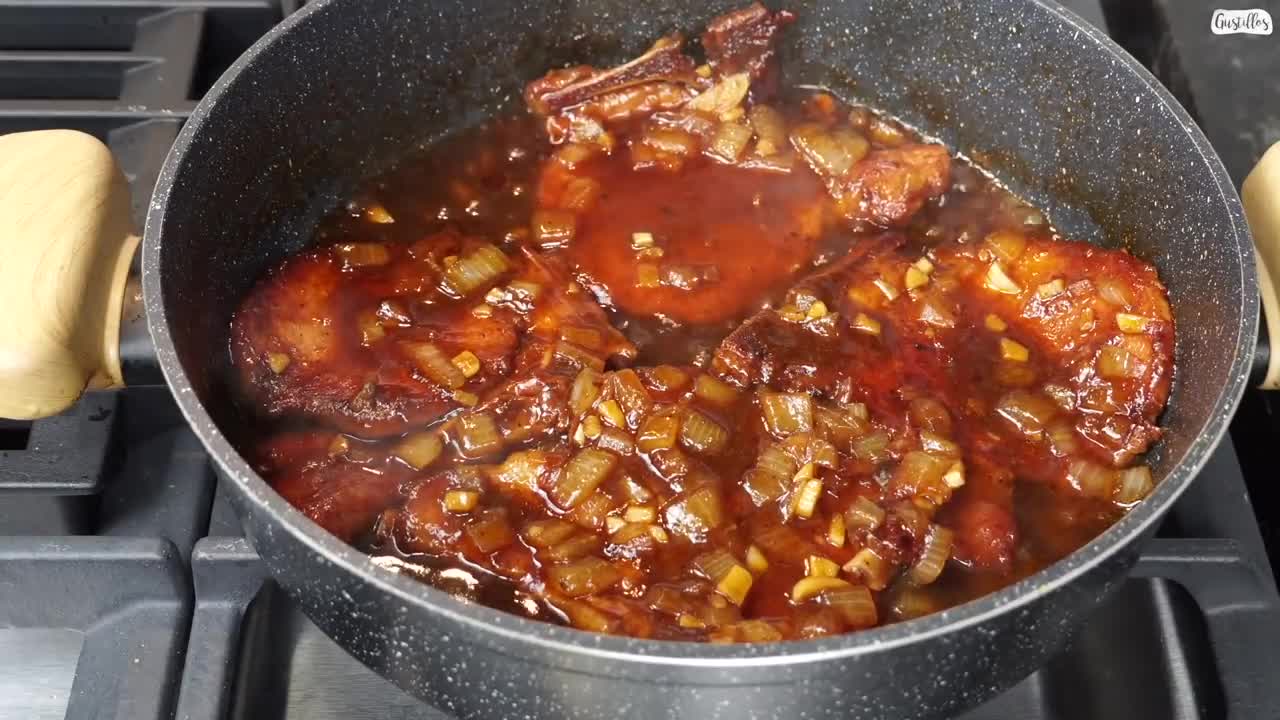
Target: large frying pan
x,y
339,90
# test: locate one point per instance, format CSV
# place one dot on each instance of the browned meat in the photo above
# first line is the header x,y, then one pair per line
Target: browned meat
x,y
881,187
560,89
338,482
1075,364
745,41
334,336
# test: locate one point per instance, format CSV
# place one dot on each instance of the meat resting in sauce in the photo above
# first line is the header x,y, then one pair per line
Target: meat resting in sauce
x,y
681,354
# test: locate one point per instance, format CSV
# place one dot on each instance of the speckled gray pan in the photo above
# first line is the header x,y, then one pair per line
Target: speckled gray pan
x,y
338,90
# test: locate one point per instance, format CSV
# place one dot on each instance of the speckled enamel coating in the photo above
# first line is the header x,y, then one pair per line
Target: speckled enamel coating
x,y
1054,108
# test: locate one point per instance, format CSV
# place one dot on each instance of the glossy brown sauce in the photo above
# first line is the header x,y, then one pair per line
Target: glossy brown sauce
x,y
1027,413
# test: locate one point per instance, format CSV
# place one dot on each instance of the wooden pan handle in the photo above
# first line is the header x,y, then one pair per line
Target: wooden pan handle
x,y
1261,196
66,244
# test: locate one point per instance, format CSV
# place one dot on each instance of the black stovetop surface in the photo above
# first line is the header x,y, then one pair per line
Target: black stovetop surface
x,y
126,592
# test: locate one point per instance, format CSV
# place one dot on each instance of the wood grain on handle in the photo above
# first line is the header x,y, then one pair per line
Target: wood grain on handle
x,y
1260,194
66,243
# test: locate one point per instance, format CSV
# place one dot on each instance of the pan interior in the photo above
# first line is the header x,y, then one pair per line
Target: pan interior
x,y
351,87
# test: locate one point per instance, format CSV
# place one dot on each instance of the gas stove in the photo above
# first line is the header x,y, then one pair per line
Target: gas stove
x,y
128,593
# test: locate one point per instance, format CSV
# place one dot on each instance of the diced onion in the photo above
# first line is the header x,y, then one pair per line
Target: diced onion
x,y
855,604
419,449
836,532
378,215
521,470
278,362
819,566
787,413
616,441
640,514
762,486
1131,323
478,435
805,448
1000,282
994,323
545,533
658,432
584,577
581,476
475,270
756,561
465,398
936,444
673,141
576,546
869,568
915,278
491,532
863,514
954,477
1091,479
933,314
702,434
933,555
695,513
1133,484
668,377
715,391
866,324
461,501
1027,412
1062,439
647,276
872,447
627,388
591,427
584,617
363,254
467,362
722,97
930,414
1006,245
920,472
611,411
1013,350
809,587
769,127
805,498
435,365
371,330
1063,396
1116,363
840,427
1051,288
886,288
729,141
585,390
1115,292
828,156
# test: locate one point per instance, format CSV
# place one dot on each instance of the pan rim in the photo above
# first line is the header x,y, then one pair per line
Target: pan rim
x,y
572,649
